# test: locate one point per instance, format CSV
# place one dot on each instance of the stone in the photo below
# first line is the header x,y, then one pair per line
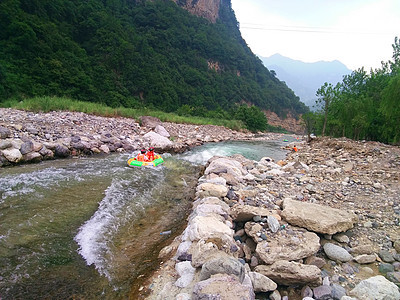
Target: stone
x,y
162,131
273,224
222,265
337,291
222,287
318,218
12,155
337,253
316,261
212,190
386,256
26,147
291,273
4,144
202,251
275,295
376,288
322,292
62,151
262,283
157,141
186,273
385,268
206,227
32,157
394,277
288,247
225,165
365,258
243,213
341,238
105,149
4,132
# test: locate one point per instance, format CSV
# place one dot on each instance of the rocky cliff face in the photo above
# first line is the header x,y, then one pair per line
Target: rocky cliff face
x,y
208,9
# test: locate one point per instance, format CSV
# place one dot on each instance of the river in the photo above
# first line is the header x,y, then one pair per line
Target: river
x,y
89,228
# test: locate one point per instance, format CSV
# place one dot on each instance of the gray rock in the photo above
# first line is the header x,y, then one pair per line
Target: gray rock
x,y
149,121
62,151
318,218
162,131
385,268
222,265
337,291
4,144
322,292
341,238
386,256
275,295
222,287
376,288
156,140
242,213
394,277
337,253
26,147
273,224
186,273
4,132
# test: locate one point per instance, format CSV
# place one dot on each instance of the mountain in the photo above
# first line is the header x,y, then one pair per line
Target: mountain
x,y
172,55
305,78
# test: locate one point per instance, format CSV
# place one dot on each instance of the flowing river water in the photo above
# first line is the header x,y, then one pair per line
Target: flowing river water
x,y
91,228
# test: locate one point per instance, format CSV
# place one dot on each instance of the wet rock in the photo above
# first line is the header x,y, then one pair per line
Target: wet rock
x,y
376,288
337,253
318,218
222,287
290,273
62,151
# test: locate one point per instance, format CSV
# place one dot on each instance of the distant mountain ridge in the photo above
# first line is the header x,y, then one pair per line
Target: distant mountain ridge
x,y
305,78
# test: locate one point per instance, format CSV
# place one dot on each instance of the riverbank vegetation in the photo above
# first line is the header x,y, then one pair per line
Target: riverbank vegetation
x,y
151,55
364,106
239,118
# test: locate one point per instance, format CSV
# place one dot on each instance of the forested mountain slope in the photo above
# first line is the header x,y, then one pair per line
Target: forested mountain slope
x,y
134,53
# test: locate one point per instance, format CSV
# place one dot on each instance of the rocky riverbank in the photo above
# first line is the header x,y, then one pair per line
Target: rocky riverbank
x,y
323,224
27,137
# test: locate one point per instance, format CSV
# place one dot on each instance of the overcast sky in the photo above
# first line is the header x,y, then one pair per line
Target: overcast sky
x,y
356,32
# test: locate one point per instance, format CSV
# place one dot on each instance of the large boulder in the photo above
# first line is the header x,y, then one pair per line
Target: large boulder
x,y
156,140
222,287
162,131
243,213
291,273
376,288
206,227
226,165
208,189
283,246
318,218
12,155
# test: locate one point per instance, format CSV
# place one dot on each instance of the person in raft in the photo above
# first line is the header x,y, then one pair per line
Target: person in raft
x,y
294,149
150,154
142,156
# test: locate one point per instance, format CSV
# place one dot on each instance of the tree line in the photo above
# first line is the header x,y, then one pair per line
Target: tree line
x,y
151,54
364,106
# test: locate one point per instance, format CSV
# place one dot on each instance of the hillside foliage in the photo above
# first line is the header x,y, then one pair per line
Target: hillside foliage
x,y
364,106
146,54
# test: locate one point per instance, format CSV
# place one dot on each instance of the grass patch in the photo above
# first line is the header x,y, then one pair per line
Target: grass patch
x,y
47,104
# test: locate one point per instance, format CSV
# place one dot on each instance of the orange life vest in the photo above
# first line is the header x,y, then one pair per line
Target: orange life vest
x,y
150,155
141,157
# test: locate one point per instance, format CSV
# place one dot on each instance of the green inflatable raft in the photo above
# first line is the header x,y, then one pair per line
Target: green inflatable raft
x,y
133,162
